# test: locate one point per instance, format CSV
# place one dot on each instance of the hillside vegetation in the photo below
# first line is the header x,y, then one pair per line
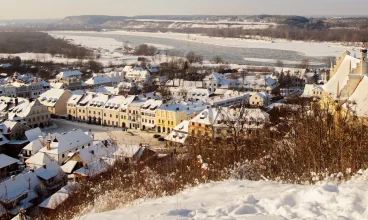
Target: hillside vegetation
x,y
39,42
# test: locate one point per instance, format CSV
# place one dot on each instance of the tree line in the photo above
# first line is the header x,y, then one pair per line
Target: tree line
x,y
39,42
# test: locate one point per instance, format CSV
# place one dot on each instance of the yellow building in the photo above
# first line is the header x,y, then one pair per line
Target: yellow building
x,y
168,116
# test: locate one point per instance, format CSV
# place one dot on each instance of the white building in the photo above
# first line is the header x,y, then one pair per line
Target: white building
x,y
138,75
60,146
216,80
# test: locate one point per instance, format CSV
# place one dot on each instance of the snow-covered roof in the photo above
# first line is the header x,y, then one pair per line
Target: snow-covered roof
x,y
51,97
98,80
341,76
58,85
114,102
59,197
309,89
187,107
108,90
69,166
66,142
34,146
358,101
27,182
97,151
33,134
215,116
127,151
74,99
263,95
7,161
68,74
96,167
180,133
39,159
99,100
7,104
151,105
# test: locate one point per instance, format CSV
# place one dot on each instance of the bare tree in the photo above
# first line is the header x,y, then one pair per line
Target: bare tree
x,y
217,59
279,63
304,64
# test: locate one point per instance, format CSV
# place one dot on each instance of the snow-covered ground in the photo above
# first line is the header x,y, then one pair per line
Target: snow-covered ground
x,y
253,200
104,132
307,48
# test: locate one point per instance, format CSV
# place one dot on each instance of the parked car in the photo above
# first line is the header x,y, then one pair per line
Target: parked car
x,y
161,139
156,136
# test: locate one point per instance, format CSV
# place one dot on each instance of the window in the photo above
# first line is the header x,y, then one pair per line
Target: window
x,y
79,110
104,114
94,112
110,115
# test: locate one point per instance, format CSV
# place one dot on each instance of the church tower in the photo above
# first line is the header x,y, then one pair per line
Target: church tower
x,y
363,60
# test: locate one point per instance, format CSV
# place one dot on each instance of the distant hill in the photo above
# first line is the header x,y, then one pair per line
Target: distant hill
x,y
90,21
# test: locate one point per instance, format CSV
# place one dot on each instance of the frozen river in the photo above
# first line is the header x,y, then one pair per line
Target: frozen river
x,y
263,53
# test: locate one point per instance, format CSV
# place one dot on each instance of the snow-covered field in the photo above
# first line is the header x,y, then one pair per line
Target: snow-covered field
x,y
307,48
243,199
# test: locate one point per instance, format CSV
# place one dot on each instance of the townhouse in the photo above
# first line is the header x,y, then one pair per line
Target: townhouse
x,y
56,101
148,113
30,113
168,116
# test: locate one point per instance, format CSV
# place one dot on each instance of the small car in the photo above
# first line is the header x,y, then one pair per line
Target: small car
x,y
161,139
156,136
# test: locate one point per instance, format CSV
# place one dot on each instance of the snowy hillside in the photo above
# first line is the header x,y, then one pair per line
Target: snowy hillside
x,y
243,199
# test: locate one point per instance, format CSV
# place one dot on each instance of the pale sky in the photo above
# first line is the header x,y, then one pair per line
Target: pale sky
x,y
34,9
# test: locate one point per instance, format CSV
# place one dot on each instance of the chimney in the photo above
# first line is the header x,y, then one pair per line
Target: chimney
x,y
35,79
12,177
16,101
92,152
48,144
108,96
164,101
44,166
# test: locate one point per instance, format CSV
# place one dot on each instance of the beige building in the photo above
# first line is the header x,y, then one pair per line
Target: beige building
x,y
261,99
56,101
32,114
111,111
148,113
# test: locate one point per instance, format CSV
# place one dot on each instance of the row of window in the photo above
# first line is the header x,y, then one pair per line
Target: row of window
x,y
38,118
